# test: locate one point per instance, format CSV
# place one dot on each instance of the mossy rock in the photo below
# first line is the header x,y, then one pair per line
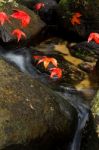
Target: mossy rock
x,y
32,30
30,111
95,111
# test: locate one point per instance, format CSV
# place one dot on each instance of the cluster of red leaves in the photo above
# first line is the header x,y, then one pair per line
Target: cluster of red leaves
x,y
76,18
39,5
20,15
46,61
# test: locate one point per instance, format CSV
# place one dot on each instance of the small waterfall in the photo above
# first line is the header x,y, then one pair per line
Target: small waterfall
x,y
83,115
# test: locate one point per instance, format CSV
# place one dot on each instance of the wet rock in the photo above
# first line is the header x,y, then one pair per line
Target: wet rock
x,y
87,67
89,20
71,74
95,111
87,51
30,111
31,31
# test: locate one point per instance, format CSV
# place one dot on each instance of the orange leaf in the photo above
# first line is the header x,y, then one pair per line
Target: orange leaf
x,y
76,18
18,33
3,18
94,36
47,60
23,16
56,72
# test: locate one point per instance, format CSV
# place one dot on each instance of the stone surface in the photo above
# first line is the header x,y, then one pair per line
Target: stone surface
x,y
31,31
29,111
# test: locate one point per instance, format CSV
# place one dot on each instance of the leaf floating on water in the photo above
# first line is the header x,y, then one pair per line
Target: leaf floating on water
x,y
47,60
56,72
94,36
3,18
18,33
23,16
76,18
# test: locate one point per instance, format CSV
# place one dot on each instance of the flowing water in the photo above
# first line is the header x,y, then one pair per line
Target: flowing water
x,y
78,95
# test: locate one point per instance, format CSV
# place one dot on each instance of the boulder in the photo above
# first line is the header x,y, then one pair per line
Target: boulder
x,y
31,112
31,30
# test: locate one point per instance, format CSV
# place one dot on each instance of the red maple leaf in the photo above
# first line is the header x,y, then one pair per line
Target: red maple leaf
x,y
3,18
94,36
18,33
38,6
56,72
47,60
76,18
23,16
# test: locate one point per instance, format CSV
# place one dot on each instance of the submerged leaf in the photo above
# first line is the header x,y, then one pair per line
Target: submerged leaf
x,y
36,57
23,16
18,33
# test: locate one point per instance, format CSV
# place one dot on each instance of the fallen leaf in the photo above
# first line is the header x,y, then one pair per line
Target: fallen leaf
x,y
56,72
38,6
76,18
3,18
18,33
23,16
47,60
94,36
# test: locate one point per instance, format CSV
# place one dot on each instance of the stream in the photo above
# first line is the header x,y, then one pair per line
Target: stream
x,y
75,95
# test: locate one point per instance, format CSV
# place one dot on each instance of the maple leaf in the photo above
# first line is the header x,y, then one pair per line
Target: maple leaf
x,y
38,6
47,60
56,72
3,18
94,36
23,16
76,18
18,33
